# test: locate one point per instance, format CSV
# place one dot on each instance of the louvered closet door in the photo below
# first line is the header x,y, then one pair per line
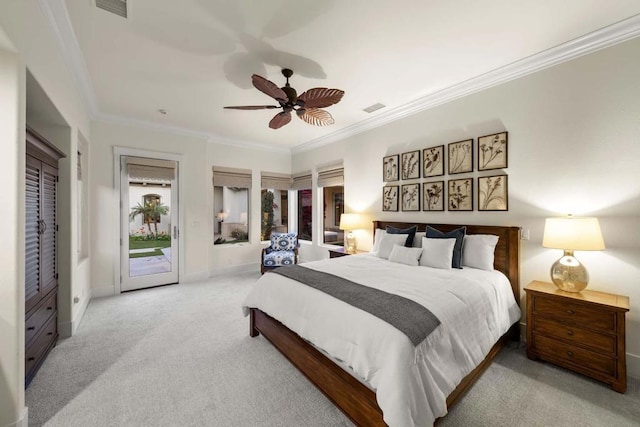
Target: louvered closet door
x,y
48,229
32,232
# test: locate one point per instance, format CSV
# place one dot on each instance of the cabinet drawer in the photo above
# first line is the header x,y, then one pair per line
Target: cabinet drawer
x,y
596,318
41,345
597,341
578,357
39,317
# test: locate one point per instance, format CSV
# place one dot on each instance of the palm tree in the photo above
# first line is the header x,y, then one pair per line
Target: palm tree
x,y
150,212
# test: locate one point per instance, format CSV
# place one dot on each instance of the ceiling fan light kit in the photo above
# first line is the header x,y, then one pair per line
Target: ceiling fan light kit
x,y
307,106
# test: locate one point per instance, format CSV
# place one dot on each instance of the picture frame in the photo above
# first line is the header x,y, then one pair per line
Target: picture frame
x,y
410,163
411,197
493,193
460,156
433,161
460,194
492,151
433,196
391,168
390,198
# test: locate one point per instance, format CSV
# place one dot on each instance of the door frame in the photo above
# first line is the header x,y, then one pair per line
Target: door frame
x,y
118,152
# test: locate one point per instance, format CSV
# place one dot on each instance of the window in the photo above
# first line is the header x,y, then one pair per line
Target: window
x,y
231,191
332,183
274,204
304,215
152,201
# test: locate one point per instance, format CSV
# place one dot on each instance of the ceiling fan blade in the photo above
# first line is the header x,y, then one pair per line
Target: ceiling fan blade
x,y
280,120
269,88
315,116
252,107
320,97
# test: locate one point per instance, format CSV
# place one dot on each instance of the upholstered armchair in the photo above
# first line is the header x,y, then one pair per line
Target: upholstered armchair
x,y
282,251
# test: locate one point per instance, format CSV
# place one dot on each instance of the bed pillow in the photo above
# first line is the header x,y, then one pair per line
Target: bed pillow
x,y
417,239
410,232
387,242
457,234
404,255
437,253
377,237
478,251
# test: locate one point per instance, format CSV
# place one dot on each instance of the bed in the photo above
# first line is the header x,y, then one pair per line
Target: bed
x,y
353,393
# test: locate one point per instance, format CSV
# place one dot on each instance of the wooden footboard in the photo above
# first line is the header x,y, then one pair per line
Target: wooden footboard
x,y
353,398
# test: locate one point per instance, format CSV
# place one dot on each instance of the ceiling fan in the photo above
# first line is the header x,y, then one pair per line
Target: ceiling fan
x,y
307,106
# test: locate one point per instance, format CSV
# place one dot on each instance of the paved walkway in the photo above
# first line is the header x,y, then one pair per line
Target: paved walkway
x,y
151,264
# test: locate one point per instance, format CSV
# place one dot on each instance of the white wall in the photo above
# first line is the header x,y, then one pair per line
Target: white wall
x,y
24,26
573,148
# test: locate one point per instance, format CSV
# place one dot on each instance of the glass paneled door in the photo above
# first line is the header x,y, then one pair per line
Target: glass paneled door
x,y
149,222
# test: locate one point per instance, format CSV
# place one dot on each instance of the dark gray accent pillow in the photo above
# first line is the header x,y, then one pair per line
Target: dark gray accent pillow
x,y
410,232
457,234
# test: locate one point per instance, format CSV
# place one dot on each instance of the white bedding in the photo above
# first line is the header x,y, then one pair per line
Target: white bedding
x,y
475,308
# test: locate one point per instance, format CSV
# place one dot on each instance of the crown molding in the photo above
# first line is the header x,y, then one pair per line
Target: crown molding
x,y
589,43
56,13
177,130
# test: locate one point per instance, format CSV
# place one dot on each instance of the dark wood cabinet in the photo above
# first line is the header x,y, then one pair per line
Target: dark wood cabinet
x,y
41,275
583,331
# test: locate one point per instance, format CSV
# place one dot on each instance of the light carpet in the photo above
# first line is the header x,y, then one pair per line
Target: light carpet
x,y
181,355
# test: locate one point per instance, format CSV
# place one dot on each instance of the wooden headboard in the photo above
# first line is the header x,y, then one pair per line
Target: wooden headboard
x,y
507,254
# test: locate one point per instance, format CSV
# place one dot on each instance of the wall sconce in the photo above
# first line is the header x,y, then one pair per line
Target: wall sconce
x,y
571,234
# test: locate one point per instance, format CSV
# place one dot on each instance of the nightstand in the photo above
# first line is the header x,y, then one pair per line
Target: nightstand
x,y
583,332
338,252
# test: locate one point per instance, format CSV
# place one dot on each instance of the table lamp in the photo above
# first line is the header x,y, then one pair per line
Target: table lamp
x,y
348,223
571,234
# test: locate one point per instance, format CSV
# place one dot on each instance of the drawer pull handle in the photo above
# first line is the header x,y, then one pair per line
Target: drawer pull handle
x,y
31,359
570,312
570,333
49,333
31,328
49,308
570,353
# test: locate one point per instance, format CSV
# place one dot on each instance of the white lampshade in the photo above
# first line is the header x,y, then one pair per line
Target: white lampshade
x,y
576,234
349,221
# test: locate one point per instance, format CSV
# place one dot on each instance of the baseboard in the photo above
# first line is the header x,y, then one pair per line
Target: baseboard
x,y
194,277
103,291
235,269
23,421
633,365
65,329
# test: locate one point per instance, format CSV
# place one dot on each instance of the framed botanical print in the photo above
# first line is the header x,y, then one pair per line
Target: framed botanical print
x,y
460,194
433,196
410,164
492,193
390,198
433,161
492,151
461,156
390,168
411,197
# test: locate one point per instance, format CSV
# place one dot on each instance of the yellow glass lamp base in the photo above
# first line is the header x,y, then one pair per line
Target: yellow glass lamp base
x,y
568,274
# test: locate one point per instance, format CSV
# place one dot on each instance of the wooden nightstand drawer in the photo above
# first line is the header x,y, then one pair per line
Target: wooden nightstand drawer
x,y
582,331
575,313
574,334
583,359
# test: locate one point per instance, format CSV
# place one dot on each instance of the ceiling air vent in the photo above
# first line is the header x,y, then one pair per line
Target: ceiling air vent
x,y
374,107
118,7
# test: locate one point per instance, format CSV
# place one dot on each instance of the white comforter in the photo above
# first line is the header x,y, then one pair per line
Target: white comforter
x,y
475,308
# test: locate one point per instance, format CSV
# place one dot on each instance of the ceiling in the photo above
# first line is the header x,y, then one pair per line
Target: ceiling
x,y
192,57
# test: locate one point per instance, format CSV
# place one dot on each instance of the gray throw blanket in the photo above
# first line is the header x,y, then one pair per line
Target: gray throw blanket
x,y
409,317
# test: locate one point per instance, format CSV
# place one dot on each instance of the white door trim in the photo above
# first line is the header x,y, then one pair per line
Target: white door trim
x,y
118,152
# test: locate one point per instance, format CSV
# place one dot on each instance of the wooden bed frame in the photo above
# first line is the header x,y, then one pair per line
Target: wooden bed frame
x,y
351,396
